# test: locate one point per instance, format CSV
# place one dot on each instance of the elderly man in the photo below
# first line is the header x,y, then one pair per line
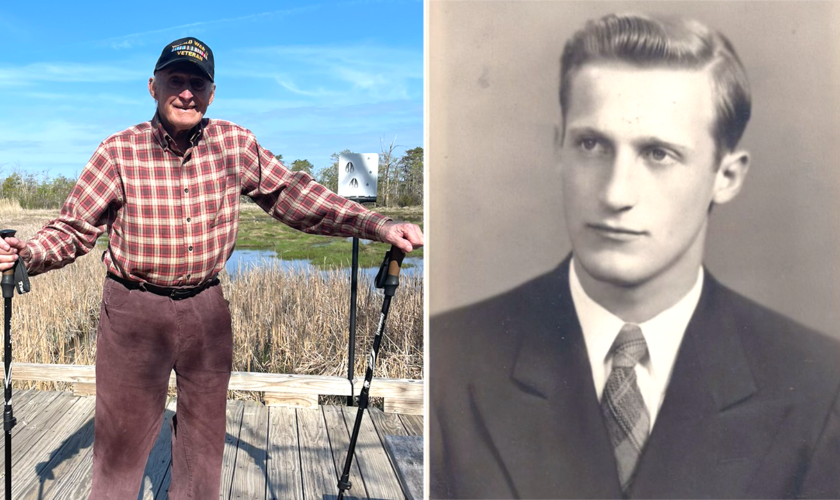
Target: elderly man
x,y
167,193
629,371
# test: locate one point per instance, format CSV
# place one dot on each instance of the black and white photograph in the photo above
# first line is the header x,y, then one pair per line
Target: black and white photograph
x,y
634,249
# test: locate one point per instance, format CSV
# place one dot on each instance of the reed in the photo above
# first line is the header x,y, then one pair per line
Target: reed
x,y
283,321
9,207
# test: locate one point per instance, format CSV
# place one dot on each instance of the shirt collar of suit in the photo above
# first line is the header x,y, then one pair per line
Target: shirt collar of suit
x,y
663,334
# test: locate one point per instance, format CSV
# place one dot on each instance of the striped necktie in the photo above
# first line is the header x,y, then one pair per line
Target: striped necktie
x,y
622,405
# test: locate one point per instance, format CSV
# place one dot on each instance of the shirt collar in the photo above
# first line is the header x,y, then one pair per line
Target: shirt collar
x,y
165,140
663,333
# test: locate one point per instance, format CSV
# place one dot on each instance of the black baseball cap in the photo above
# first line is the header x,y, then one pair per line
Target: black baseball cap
x,y
190,50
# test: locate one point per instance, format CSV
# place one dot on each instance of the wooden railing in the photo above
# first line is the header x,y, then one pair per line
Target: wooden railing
x,y
280,389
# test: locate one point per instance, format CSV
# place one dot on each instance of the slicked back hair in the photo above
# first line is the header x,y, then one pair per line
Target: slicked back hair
x,y
645,41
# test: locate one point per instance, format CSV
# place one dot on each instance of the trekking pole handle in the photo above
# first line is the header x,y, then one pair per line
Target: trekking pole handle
x,y
8,233
397,257
7,283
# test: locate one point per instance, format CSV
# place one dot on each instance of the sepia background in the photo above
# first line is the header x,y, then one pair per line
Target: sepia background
x,y
496,215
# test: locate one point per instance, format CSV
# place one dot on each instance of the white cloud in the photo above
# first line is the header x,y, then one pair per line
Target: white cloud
x,y
67,72
140,39
335,75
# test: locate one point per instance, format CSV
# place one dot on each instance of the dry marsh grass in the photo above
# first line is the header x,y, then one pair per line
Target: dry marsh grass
x,y
283,322
9,208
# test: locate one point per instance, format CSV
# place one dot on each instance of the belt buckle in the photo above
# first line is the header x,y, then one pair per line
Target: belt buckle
x,y
180,294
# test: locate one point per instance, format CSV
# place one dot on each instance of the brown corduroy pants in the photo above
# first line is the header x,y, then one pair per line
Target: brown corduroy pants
x,y
141,338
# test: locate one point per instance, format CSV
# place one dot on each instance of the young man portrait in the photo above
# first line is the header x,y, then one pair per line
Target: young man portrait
x,y
629,370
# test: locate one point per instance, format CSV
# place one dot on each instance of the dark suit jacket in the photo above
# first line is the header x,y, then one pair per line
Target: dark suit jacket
x,y
751,410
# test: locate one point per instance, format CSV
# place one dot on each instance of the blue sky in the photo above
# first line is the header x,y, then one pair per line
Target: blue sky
x,y
309,79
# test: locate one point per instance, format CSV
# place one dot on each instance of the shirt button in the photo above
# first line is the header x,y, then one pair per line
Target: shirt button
x,y
190,249
188,276
186,190
189,219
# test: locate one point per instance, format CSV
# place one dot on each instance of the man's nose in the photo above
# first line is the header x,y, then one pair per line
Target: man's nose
x,y
186,93
620,189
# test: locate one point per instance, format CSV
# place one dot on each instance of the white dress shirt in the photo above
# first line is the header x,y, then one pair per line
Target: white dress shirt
x,y
663,334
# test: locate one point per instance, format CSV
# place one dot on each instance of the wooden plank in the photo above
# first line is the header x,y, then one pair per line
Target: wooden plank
x,y
283,478
413,424
380,478
393,388
20,398
289,383
250,471
266,456
22,408
84,389
286,383
26,470
232,428
25,406
339,444
317,470
160,458
406,454
408,406
291,400
76,483
387,424
27,432
40,372
47,417
28,412
62,461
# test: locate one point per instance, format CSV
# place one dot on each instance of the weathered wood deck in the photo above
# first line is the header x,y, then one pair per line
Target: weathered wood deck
x,y
270,452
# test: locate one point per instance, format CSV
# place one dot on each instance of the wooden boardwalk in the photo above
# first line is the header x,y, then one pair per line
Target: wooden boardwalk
x,y
270,452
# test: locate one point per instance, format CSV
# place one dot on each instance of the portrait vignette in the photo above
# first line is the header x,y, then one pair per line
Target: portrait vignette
x,y
499,233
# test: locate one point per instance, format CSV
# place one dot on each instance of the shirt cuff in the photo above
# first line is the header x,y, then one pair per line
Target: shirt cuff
x,y
32,256
372,228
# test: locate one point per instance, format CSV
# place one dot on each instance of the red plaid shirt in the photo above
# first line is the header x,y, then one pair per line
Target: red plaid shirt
x,y
172,219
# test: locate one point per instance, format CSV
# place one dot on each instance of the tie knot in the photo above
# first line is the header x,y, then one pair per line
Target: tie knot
x,y
629,347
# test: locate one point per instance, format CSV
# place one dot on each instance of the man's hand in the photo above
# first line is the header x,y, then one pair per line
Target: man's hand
x,y
9,249
402,235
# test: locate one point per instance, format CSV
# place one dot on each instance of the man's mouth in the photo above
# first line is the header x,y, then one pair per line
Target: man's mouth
x,y
614,232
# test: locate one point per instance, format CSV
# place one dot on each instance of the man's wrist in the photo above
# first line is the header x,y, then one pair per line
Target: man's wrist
x,y
25,255
382,229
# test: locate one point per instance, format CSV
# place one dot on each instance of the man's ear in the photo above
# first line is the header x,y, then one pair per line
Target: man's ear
x,y
730,176
152,88
212,95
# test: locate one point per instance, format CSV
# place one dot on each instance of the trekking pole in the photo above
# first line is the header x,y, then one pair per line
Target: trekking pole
x,y
15,277
388,279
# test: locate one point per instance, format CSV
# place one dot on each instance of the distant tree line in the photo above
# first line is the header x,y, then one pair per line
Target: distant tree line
x,y
400,181
35,190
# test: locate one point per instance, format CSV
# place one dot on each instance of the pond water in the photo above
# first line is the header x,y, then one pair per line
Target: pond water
x,y
243,260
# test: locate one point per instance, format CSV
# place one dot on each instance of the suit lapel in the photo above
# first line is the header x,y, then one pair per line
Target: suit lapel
x,y
544,419
711,430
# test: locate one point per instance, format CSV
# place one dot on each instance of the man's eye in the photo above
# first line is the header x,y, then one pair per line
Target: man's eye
x,y
659,155
588,144
197,83
176,82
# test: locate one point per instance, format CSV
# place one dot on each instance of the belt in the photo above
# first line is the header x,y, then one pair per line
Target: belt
x,y
172,292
